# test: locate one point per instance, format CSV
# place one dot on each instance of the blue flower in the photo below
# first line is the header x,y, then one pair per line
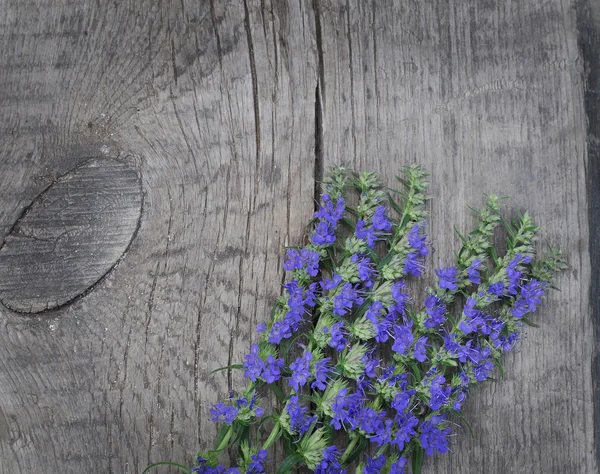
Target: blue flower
x,y
346,409
513,274
418,241
365,233
303,259
398,466
280,330
473,317
433,435
370,365
300,371
380,221
450,343
401,401
400,297
373,311
436,311
420,349
272,370
258,411
323,234
293,260
251,404
322,370
345,299
224,413
406,430
204,468
299,421
403,338
366,272
253,364
330,462
448,278
295,316
337,339
467,353
484,367
329,212
331,284
383,433
461,390
473,272
496,288
261,327
519,308
505,343
258,459
389,377
532,293
374,465
310,260
369,420
438,394
381,326
413,265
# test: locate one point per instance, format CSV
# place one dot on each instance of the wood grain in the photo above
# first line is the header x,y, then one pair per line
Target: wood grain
x,y
70,236
230,110
489,97
216,103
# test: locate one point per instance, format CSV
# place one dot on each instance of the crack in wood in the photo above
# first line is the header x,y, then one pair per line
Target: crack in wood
x,y
255,94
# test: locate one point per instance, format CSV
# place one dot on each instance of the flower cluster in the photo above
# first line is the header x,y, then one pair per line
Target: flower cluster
x,y
351,356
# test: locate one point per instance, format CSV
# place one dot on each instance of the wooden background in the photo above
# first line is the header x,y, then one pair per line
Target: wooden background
x,y
229,111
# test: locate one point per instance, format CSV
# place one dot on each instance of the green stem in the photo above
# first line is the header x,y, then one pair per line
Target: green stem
x,y
225,439
272,437
349,449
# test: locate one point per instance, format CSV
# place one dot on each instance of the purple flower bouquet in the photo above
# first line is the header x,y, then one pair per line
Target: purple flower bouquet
x,y
366,378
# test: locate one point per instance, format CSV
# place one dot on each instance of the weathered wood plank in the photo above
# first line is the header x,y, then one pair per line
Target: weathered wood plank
x,y
588,23
488,96
216,101
220,104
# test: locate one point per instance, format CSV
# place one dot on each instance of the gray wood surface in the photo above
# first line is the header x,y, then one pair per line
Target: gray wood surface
x,y
230,110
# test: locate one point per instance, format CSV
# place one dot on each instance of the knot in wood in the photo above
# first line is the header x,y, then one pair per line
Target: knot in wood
x,y
70,236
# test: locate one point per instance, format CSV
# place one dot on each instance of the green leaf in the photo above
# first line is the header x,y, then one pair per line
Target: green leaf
x,y
475,211
500,368
168,463
222,432
529,323
356,452
374,257
416,372
493,255
277,391
395,205
264,420
417,459
464,420
288,463
349,223
290,343
242,435
386,259
462,237
233,366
